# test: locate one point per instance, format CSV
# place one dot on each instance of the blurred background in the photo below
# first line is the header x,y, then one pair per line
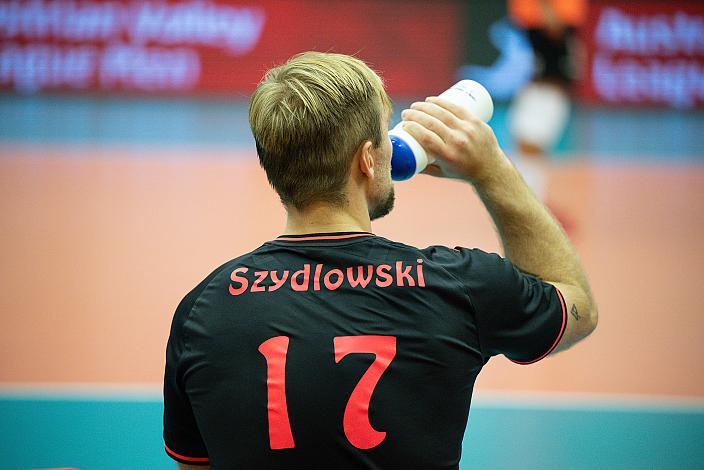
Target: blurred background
x,y
128,172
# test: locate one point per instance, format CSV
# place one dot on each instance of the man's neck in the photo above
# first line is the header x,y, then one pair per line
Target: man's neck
x,y
323,218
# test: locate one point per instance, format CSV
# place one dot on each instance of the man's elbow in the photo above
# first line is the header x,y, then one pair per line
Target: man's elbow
x,y
592,319
586,316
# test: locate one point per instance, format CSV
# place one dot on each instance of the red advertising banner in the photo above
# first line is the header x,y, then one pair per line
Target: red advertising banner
x,y
645,53
208,46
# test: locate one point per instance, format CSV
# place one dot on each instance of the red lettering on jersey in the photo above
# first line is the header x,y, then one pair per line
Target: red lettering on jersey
x,y
333,285
261,275
316,276
403,273
278,282
360,280
382,275
241,280
383,272
421,279
301,286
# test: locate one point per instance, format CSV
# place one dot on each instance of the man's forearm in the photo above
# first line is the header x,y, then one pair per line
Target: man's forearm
x,y
531,237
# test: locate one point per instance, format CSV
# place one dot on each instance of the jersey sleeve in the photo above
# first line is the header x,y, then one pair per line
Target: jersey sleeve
x,y
182,438
517,314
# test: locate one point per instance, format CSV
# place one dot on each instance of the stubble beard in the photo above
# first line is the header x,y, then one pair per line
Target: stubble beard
x,y
384,206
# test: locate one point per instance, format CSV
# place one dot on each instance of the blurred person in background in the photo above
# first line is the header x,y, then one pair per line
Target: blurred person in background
x,y
540,111
332,347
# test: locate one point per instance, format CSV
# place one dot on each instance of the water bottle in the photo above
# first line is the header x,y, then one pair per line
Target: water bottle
x,y
408,157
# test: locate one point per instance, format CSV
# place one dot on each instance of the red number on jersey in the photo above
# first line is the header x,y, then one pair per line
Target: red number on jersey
x,y
274,350
355,422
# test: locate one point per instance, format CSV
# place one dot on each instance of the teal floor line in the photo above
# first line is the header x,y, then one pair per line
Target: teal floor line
x,y
106,435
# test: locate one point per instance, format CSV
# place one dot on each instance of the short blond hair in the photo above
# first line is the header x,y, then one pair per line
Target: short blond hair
x,y
308,117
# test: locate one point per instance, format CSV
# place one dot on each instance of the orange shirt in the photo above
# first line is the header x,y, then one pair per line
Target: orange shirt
x,y
531,13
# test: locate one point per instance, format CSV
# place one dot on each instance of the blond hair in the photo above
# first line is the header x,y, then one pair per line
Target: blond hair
x,y
308,117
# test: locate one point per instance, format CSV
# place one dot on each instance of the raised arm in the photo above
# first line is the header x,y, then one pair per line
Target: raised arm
x,y
466,148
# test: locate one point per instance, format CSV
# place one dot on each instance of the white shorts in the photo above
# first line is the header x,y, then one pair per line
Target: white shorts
x,y
538,115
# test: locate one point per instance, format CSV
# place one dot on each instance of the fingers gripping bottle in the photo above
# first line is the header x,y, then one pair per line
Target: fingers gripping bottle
x,y
408,157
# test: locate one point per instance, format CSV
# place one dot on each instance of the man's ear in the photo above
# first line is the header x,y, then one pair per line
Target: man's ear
x,y
365,159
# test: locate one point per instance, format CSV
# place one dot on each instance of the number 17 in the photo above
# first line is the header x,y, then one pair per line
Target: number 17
x,y
355,422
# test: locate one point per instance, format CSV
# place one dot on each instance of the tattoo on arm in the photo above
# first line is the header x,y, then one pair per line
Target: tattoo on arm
x,y
574,312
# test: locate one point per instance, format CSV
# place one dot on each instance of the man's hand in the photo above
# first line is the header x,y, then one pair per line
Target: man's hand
x,y
464,146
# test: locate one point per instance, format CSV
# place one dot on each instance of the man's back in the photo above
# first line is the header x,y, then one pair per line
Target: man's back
x,y
330,349
345,350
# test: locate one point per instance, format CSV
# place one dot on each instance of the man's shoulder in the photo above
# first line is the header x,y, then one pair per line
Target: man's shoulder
x,y
224,269
443,252
428,251
456,259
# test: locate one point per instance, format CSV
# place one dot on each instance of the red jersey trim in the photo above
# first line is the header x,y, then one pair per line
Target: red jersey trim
x,y
559,335
323,237
183,457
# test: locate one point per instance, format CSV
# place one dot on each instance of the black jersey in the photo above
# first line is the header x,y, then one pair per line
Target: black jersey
x,y
345,350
